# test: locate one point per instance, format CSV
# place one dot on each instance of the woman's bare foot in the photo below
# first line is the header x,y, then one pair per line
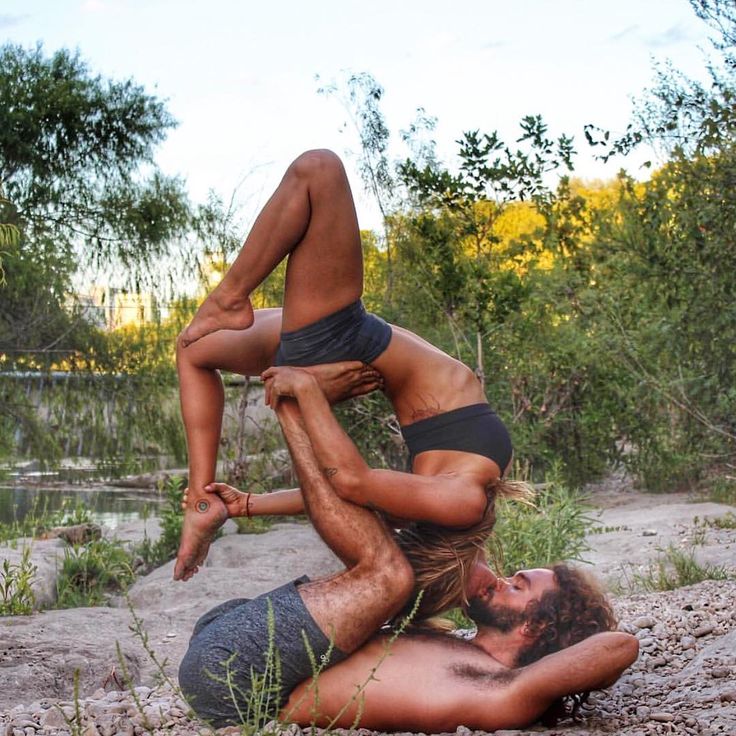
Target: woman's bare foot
x,y
219,311
202,518
345,380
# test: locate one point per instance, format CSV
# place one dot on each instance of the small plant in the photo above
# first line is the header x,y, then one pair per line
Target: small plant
x,y
254,525
171,520
39,519
91,572
723,490
674,568
727,521
553,530
16,595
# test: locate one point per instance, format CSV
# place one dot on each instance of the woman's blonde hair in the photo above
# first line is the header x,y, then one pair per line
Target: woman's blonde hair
x,y
443,558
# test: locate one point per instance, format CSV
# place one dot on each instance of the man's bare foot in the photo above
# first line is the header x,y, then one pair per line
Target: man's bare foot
x,y
345,380
219,311
202,518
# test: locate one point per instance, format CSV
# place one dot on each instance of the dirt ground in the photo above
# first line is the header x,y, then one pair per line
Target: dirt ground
x,y
683,683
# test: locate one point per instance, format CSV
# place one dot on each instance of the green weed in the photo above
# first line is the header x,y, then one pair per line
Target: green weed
x,y
254,525
40,519
553,530
16,595
171,519
91,572
727,521
673,568
723,490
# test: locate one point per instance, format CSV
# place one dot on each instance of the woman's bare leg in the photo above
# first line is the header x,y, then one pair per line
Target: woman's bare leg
x,y
310,218
248,352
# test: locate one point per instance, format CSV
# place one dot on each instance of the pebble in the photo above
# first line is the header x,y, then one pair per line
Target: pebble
x,y
703,630
643,622
662,717
662,694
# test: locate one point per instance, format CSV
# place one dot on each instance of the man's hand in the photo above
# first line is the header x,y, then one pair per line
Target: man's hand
x,y
286,381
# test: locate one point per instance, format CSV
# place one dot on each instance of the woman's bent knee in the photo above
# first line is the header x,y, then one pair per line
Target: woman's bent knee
x,y
317,162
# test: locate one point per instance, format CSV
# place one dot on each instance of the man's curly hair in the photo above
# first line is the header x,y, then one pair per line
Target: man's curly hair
x,y
573,610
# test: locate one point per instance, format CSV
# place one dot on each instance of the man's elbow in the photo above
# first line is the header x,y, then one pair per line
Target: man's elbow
x,y
622,653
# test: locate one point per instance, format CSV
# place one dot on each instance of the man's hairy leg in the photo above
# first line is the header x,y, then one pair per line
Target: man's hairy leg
x,y
350,606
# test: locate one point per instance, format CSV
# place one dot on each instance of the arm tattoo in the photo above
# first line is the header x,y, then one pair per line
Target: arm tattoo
x,y
329,472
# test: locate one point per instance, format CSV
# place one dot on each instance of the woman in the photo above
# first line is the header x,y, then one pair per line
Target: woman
x,y
459,449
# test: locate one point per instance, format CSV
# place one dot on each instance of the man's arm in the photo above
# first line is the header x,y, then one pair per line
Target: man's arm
x,y
592,664
449,499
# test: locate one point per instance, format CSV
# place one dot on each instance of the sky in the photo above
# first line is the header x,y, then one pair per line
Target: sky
x,y
241,77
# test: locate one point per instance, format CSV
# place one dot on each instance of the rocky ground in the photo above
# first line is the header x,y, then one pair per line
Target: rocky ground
x,y
683,683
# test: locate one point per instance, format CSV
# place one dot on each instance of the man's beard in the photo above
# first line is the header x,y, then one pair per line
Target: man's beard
x,y
501,618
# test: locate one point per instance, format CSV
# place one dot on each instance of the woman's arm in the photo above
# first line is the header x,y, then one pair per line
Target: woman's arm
x,y
276,503
450,499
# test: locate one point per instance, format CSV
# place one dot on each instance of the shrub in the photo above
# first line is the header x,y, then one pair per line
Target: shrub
x,y
16,596
553,530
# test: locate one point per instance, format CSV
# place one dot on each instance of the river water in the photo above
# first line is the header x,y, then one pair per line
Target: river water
x,y
41,493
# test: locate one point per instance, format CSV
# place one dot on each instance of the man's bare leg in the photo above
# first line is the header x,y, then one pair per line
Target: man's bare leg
x,y
310,217
350,606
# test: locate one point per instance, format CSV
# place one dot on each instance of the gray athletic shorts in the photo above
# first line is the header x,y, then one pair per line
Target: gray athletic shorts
x,y
235,672
348,334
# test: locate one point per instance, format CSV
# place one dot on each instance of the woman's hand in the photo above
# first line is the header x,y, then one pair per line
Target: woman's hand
x,y
235,501
286,381
345,380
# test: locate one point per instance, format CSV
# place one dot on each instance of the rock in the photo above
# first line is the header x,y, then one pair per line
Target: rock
x,y
75,535
643,622
703,630
54,718
662,717
649,533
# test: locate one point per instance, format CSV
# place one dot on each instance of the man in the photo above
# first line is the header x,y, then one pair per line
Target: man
x,y
459,448
251,660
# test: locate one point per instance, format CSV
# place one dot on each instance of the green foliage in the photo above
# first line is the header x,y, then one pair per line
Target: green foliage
x,y
16,596
723,490
674,568
552,531
91,572
39,519
71,149
80,188
171,519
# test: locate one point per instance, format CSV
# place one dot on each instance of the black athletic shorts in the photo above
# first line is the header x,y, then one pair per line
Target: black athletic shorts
x,y
240,668
348,334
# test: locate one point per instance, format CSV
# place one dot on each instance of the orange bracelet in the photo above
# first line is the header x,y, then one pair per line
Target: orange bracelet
x,y
247,507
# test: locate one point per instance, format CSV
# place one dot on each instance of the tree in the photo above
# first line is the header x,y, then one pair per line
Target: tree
x,y
491,176
80,188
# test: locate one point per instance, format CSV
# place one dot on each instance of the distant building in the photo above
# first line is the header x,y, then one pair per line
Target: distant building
x,y
109,308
